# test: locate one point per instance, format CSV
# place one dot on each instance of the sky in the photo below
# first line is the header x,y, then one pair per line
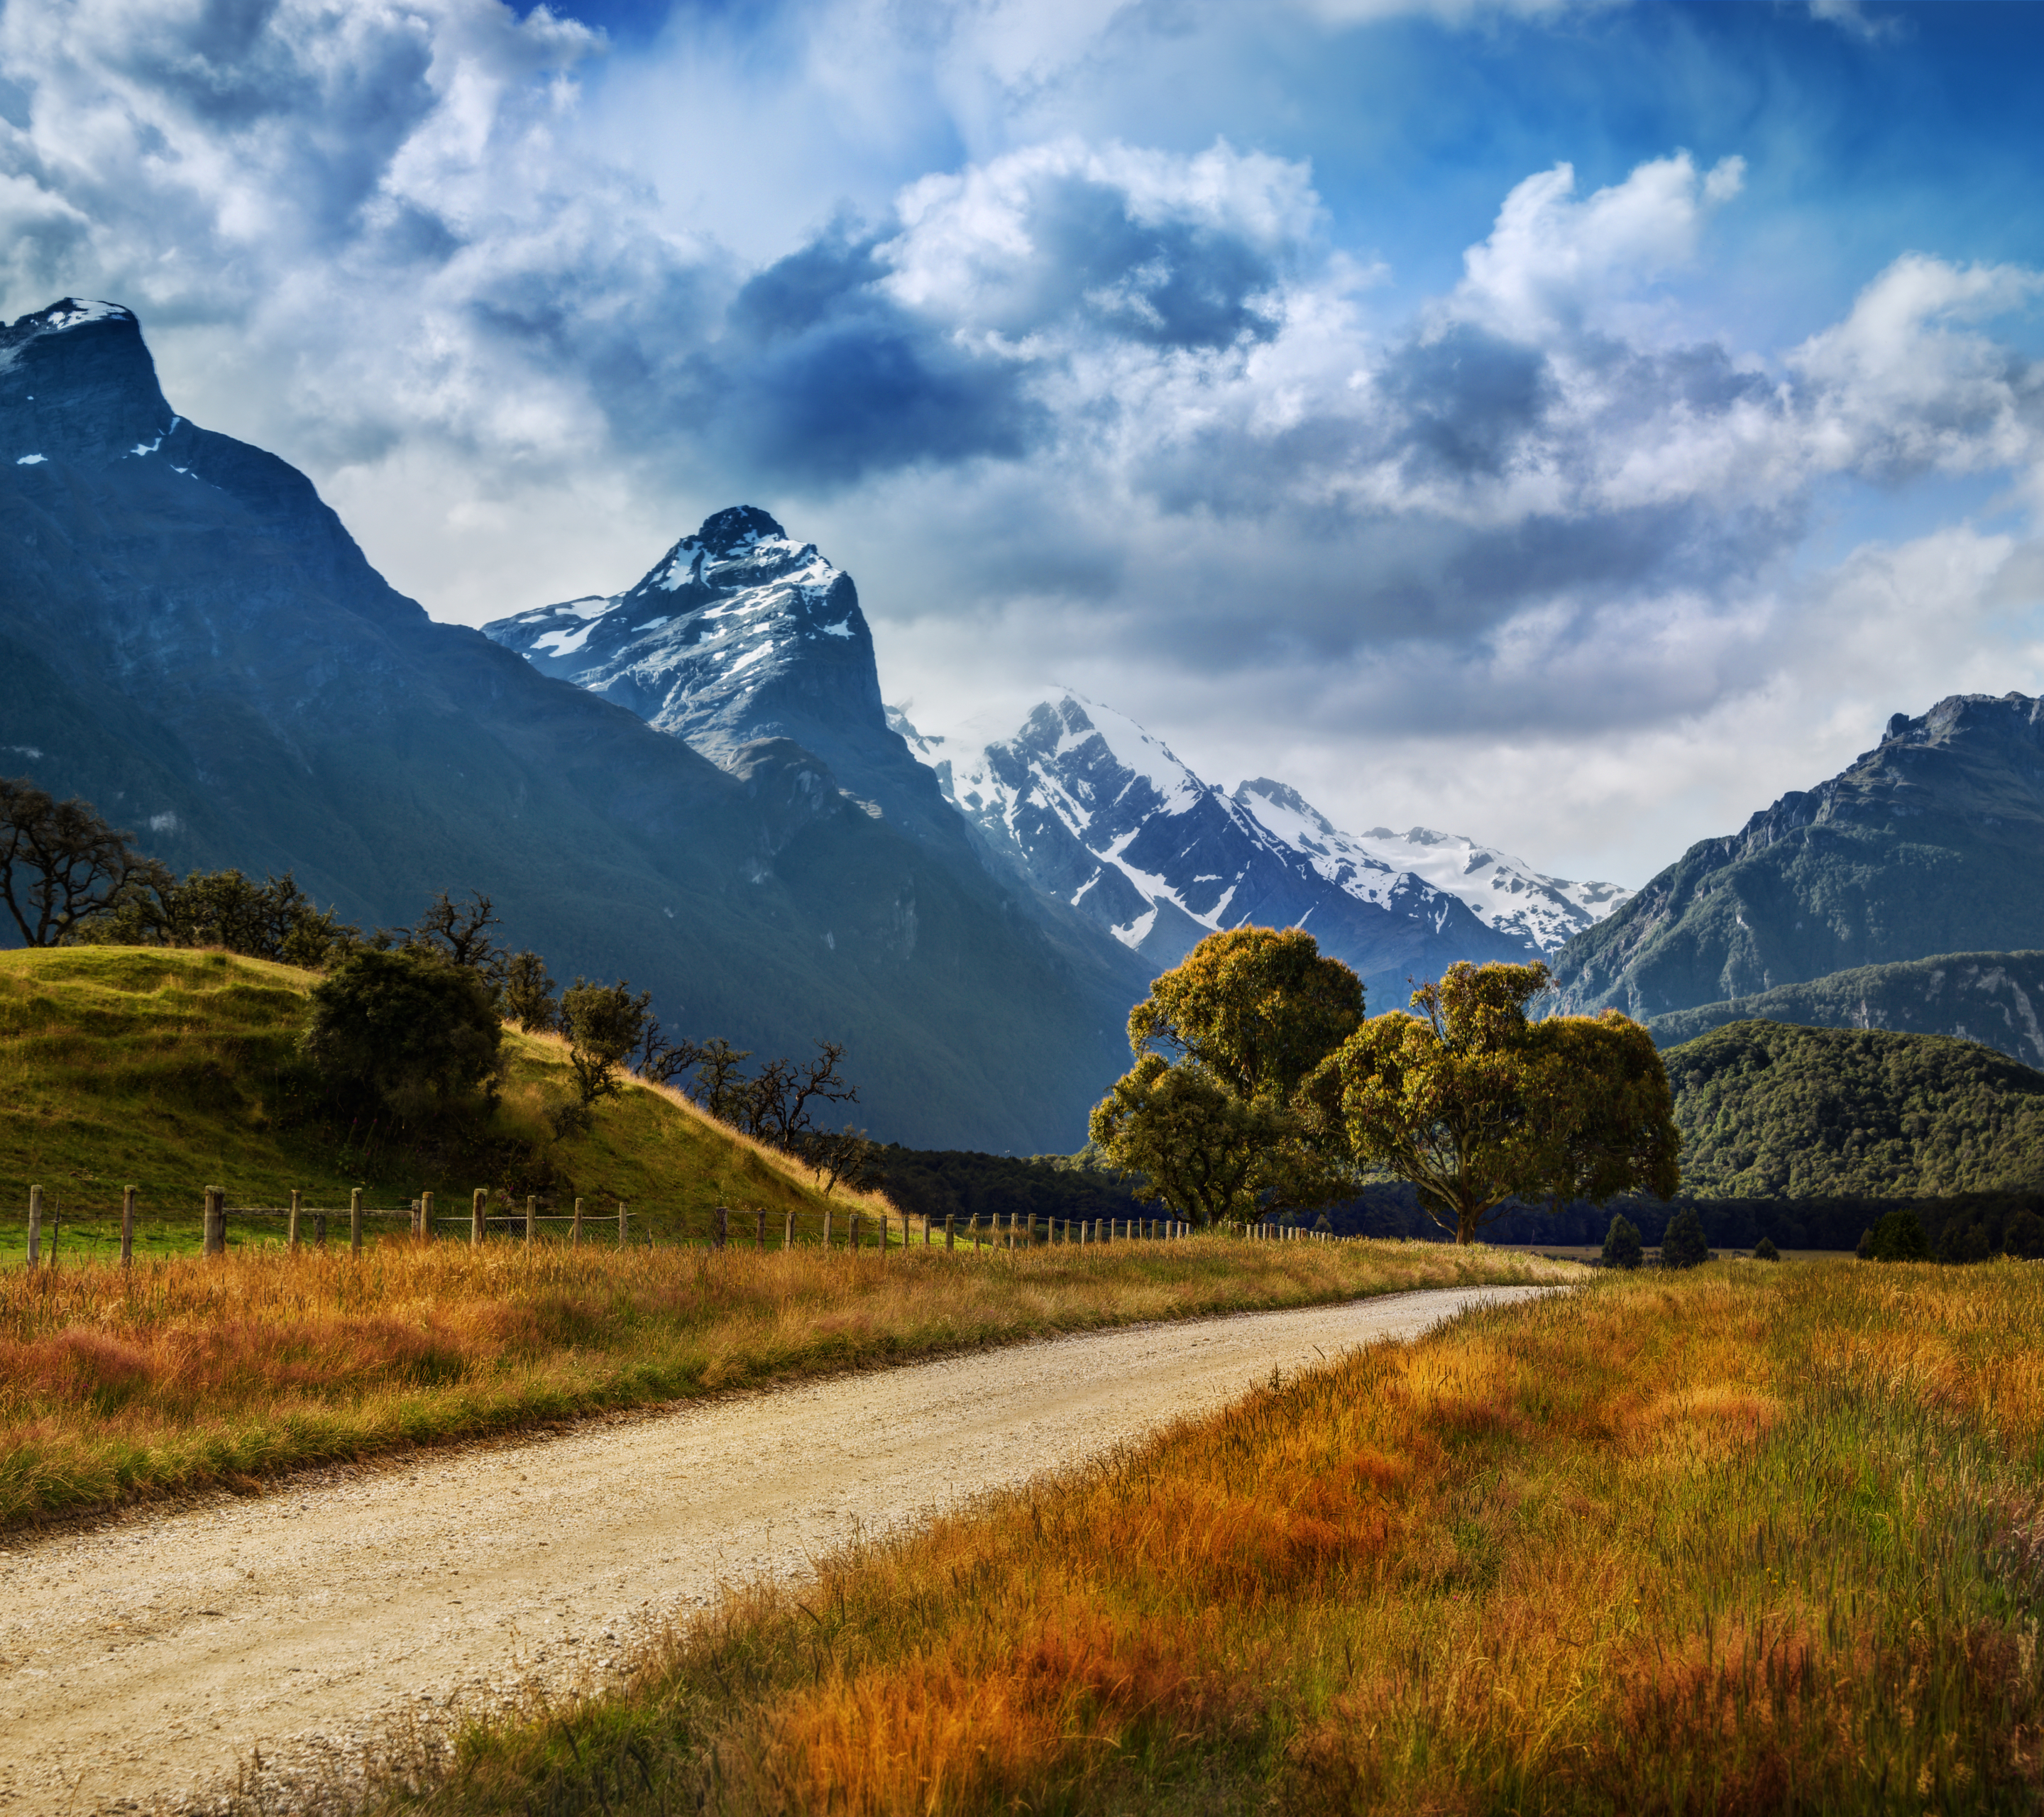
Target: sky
x,y
1569,424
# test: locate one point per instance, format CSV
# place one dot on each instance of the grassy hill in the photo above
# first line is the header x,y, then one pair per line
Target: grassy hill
x,y
1771,1110
173,1070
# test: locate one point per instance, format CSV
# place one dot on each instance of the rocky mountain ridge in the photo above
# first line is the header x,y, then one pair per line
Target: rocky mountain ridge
x,y
1095,812
1931,843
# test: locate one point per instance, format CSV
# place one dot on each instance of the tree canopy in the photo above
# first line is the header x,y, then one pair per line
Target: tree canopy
x,y
1476,1104
401,1027
61,864
1209,1116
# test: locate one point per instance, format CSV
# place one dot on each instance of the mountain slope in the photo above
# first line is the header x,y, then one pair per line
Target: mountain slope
x,y
189,638
1992,998
1768,1110
1096,813
1933,842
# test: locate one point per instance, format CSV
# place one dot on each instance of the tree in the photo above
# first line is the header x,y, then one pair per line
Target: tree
x,y
720,1078
1898,1237
528,994
412,1032
603,1023
1622,1247
1764,1250
661,1060
61,865
272,920
1211,1115
1683,1244
1475,1105
2023,1235
461,934
1199,1147
1257,1008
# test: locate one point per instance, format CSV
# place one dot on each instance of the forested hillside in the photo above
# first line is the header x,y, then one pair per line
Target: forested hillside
x,y
1771,1110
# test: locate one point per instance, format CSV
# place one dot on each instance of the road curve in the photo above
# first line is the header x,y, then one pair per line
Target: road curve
x,y
141,1660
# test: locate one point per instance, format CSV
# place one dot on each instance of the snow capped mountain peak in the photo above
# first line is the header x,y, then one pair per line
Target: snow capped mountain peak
x,y
1090,807
1504,892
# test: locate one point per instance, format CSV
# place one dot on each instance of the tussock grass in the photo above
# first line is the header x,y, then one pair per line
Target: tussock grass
x,y
189,1372
1751,1540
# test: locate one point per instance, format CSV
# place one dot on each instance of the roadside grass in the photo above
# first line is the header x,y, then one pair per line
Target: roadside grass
x,y
173,1071
1755,1539
181,1373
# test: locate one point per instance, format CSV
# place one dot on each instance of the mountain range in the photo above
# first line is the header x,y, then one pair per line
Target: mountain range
x,y
191,640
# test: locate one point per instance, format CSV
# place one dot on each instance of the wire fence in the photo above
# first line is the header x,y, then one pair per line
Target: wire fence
x,y
489,1219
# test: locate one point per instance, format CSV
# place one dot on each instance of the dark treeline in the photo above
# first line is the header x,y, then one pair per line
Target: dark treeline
x,y
1968,1226
935,1183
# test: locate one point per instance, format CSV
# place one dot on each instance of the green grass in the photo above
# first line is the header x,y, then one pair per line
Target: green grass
x,y
171,1071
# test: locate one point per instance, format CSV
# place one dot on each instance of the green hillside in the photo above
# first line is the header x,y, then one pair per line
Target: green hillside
x,y
1993,998
171,1070
1771,1110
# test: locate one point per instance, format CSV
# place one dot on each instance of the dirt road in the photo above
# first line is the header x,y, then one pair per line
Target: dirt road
x,y
140,1661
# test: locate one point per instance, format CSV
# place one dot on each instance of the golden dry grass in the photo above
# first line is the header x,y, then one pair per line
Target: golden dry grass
x,y
1754,1540
191,1371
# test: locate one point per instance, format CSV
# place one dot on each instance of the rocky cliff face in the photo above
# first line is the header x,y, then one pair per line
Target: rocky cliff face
x,y
1095,812
1932,843
189,638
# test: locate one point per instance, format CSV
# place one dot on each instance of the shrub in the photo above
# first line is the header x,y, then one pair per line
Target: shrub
x,y
1764,1250
1864,1250
1683,1245
1898,1237
1622,1247
409,1031
603,1023
2023,1235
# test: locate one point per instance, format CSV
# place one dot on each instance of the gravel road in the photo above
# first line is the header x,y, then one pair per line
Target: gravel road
x,y
142,1660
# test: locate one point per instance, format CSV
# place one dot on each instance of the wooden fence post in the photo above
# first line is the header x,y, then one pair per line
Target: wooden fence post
x,y
951,1229
624,1225
291,1230
574,1230
723,1225
853,1244
476,1215
759,1238
214,1241
319,1229
426,1215
788,1232
531,1219
355,1221
127,1226
35,1226
827,1224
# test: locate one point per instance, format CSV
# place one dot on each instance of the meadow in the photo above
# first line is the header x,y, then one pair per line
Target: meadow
x,y
1751,1539
186,1373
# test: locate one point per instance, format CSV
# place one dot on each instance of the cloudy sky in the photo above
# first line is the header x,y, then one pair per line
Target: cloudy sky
x,y
1572,424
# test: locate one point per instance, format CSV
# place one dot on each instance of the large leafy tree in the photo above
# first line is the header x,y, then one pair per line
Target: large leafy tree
x,y
1210,1115
1476,1104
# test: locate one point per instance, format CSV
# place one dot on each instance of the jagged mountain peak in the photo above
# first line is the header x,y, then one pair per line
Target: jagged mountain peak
x,y
1095,810
77,384
740,633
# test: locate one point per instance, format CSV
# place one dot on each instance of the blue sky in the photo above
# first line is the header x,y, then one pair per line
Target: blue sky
x,y
1572,425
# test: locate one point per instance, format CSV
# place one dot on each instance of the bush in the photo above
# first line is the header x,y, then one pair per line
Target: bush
x,y
1898,1237
1864,1250
1683,1245
1622,1247
1764,1250
405,1029
603,1023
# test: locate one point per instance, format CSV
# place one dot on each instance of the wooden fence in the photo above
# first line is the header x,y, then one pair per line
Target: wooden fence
x,y
304,1225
